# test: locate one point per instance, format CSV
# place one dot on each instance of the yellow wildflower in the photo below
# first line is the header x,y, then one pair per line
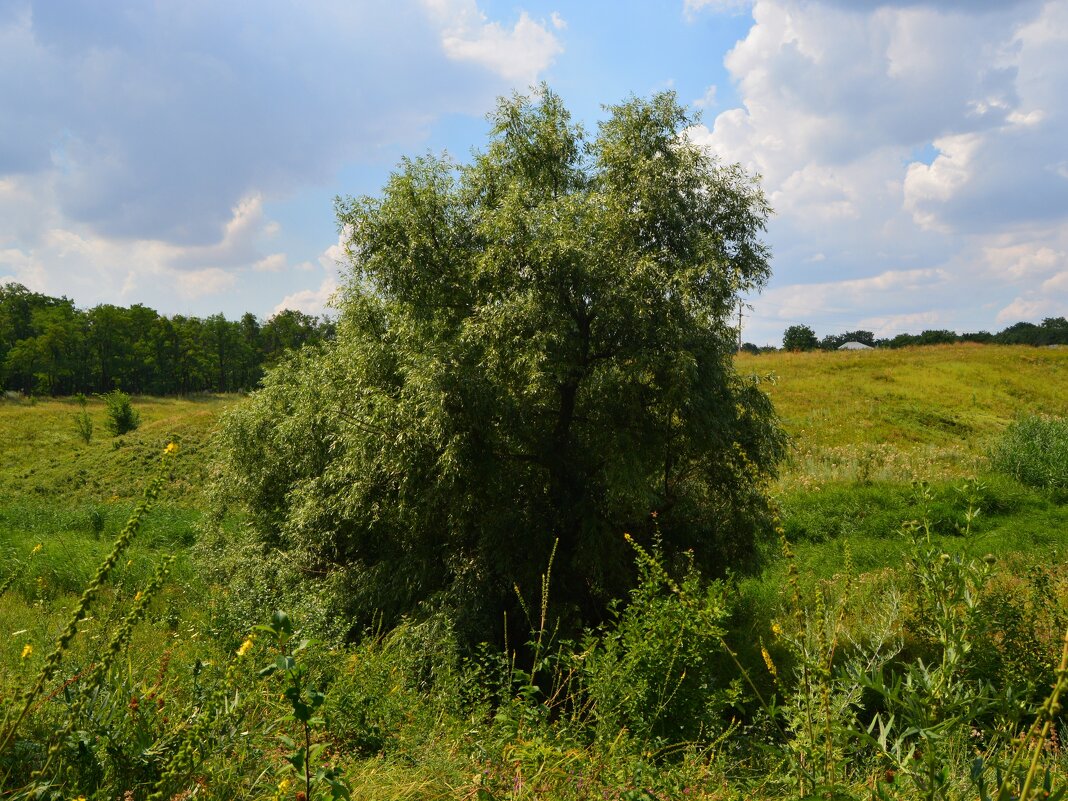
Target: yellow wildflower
x,y
776,629
245,647
27,649
171,449
767,661
138,596
36,549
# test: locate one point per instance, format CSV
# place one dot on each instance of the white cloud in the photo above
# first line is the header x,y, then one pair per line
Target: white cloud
x,y
797,302
934,184
901,138
691,8
886,326
72,259
1028,260
518,54
708,99
1058,284
274,263
1032,308
310,301
201,283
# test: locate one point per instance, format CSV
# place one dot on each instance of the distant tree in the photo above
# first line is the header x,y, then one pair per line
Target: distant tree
x,y
288,330
799,337
1018,334
937,337
983,337
1054,331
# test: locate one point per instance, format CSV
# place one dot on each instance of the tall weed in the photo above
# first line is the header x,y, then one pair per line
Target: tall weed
x,y
1034,450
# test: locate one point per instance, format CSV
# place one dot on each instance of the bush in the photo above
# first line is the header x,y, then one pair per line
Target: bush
x,y
83,423
121,415
1034,451
659,670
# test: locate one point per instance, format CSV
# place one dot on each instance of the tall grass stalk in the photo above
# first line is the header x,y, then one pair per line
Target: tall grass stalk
x,y
1045,719
26,699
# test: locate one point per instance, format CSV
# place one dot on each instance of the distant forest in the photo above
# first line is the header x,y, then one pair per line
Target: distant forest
x,y
50,347
1051,331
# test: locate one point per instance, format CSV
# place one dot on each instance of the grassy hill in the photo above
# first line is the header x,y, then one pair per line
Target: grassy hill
x,y
406,718
930,412
44,458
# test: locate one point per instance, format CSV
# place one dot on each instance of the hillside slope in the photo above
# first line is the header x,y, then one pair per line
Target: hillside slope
x,y
929,412
43,457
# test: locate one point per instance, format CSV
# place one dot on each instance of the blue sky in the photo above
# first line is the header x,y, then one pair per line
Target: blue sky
x,y
185,155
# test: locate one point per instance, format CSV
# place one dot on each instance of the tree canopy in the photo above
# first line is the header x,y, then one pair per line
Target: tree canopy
x,y
799,337
534,352
49,347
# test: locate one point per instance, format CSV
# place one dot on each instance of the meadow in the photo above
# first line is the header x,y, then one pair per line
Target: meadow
x,y
901,639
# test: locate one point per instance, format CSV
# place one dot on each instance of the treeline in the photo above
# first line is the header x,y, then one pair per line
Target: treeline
x,y
50,347
1051,331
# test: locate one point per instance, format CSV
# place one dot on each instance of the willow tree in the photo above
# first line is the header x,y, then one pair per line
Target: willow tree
x,y
534,351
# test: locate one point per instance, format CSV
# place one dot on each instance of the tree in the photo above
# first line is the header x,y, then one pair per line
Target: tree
x,y
534,352
835,341
799,337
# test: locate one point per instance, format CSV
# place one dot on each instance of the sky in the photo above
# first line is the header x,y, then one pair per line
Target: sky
x,y
186,154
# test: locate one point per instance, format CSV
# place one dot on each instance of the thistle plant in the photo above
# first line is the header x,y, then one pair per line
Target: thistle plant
x,y
305,702
19,569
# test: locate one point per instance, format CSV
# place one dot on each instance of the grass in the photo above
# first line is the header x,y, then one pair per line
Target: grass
x,y
893,415
44,457
406,718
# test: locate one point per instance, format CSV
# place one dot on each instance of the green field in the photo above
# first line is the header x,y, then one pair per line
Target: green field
x,y
879,438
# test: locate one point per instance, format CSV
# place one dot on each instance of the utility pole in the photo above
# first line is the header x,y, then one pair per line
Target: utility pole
x,y
739,325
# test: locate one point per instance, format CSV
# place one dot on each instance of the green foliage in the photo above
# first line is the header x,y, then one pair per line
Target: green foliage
x,y
835,341
532,348
659,670
799,337
49,347
83,423
122,418
305,702
1034,450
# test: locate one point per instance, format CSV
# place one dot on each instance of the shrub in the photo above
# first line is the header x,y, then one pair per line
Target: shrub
x,y
660,670
121,415
83,423
1034,451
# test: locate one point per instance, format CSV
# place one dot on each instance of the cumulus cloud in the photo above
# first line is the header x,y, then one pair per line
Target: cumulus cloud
x,y
199,283
139,143
73,259
318,301
310,301
518,54
853,296
708,99
896,137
